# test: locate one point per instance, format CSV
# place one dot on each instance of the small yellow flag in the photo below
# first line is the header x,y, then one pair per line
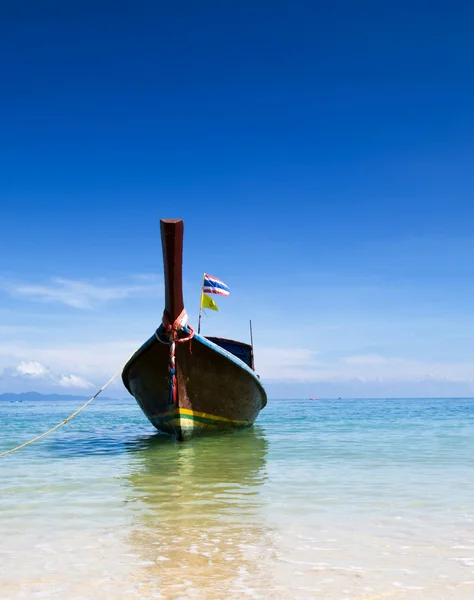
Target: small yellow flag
x,y
207,302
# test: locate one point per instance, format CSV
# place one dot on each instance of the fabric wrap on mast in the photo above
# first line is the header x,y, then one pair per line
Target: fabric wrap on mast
x,y
168,333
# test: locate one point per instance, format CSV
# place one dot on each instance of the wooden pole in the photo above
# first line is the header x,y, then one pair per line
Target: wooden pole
x,y
251,343
172,231
200,304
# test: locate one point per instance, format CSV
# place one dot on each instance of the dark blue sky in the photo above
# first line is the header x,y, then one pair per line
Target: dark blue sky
x,y
318,144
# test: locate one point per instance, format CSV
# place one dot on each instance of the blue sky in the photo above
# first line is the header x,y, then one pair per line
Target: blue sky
x,y
321,158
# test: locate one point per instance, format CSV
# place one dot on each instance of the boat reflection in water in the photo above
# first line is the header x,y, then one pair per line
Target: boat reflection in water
x,y
199,517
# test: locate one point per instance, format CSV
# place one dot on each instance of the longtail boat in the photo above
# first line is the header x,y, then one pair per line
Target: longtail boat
x,y
185,383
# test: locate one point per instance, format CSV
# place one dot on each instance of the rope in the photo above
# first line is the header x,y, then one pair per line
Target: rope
x,y
65,420
172,330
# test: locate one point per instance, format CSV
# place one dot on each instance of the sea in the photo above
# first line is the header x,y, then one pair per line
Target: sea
x,y
344,499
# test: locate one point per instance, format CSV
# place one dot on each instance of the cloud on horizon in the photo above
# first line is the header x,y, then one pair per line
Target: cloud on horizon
x,y
81,366
33,370
85,366
298,364
35,351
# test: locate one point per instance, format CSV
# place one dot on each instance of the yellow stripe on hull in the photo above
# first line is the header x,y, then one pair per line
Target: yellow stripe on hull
x,y
186,423
185,414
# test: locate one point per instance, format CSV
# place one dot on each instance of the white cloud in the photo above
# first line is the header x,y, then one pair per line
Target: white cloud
x,y
32,369
80,366
297,364
364,359
285,363
73,381
101,358
83,294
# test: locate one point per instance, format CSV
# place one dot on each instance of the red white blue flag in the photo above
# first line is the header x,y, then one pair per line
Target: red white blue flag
x,y
212,285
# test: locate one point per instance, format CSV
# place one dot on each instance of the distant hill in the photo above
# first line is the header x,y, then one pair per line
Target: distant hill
x,y
36,396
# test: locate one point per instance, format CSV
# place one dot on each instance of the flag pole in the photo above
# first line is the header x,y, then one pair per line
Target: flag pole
x,y
251,343
200,304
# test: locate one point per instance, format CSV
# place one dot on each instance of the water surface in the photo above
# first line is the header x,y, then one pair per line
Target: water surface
x,y
356,499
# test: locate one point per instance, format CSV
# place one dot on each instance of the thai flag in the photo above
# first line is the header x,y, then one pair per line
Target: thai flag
x,y
212,285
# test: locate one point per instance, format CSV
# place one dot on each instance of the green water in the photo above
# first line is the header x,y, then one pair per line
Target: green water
x,y
331,499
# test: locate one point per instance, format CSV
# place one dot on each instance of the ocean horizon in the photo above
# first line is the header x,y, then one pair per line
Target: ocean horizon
x,y
320,499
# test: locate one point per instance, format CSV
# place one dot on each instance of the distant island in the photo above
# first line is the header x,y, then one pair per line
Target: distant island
x,y
36,396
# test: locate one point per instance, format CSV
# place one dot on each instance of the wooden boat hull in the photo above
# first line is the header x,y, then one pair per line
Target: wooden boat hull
x,y
216,391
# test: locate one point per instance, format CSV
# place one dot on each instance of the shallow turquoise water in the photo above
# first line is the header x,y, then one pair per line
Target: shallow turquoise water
x,y
352,499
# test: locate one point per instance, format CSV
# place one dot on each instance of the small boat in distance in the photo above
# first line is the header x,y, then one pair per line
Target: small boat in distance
x,y
185,383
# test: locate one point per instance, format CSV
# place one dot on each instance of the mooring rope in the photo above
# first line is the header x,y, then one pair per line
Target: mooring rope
x,y
65,420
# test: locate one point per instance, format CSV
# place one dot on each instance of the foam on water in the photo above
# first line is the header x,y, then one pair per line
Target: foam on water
x,y
358,499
